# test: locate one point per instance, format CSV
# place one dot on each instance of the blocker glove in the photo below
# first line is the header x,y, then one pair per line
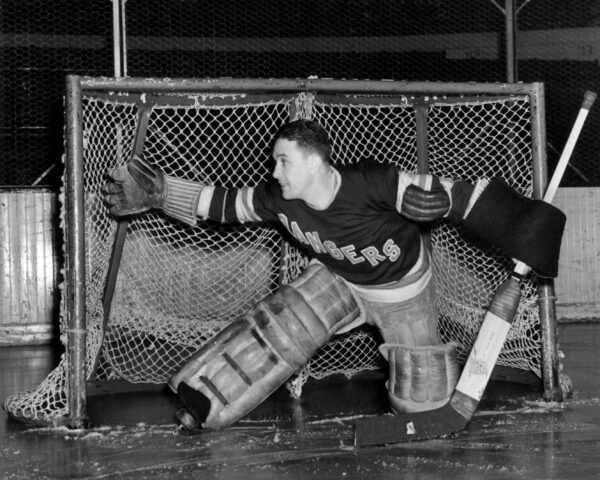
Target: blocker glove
x,y
424,199
138,187
425,206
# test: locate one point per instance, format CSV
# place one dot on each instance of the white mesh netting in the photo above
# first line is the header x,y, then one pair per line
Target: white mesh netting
x,y
177,285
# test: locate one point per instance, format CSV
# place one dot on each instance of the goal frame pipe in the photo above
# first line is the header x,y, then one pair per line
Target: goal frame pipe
x,y
510,29
546,294
75,271
77,85
199,85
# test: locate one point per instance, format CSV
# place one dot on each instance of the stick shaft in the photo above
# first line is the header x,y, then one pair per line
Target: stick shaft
x,y
588,100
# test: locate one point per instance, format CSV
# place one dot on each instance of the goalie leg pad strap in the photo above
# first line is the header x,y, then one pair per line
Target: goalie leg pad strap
x,y
421,378
249,359
525,229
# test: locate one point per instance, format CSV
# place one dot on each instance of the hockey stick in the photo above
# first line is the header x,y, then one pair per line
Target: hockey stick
x,y
143,119
457,413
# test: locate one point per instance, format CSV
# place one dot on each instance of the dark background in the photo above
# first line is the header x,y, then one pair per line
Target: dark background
x,y
41,42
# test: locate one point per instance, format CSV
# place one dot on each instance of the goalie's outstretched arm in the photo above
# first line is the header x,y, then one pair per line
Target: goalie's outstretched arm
x,y
491,213
138,187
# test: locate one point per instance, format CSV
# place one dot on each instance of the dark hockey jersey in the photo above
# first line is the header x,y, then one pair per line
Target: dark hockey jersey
x,y
360,236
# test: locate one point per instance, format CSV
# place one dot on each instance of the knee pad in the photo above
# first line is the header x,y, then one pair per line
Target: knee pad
x,y
421,378
249,359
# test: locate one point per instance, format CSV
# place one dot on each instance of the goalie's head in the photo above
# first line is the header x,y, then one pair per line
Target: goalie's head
x,y
301,154
310,137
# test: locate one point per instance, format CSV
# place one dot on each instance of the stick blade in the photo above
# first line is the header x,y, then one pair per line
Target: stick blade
x,y
382,429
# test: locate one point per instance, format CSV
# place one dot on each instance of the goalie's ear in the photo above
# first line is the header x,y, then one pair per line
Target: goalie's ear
x,y
314,162
526,229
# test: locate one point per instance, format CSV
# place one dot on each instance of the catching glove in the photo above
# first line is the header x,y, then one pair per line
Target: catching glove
x,y
138,187
134,188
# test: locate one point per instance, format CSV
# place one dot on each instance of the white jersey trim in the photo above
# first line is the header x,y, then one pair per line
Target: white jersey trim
x,y
408,287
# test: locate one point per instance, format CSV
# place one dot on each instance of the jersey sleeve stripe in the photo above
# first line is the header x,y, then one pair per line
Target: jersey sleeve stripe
x,y
244,207
223,205
204,201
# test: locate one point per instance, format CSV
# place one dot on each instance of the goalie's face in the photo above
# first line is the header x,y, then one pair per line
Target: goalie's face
x,y
294,169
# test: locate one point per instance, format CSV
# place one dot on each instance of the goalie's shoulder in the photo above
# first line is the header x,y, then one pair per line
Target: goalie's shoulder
x,y
368,171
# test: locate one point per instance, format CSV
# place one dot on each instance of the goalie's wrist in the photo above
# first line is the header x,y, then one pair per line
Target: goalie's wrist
x,y
181,199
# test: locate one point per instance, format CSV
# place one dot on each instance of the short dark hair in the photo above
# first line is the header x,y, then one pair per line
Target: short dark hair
x,y
309,135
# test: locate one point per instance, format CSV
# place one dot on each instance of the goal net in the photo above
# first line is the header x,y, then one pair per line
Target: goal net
x,y
177,286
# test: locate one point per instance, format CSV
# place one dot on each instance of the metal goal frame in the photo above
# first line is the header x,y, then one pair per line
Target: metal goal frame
x,y
74,294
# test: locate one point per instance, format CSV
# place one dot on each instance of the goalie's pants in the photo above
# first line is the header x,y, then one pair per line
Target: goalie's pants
x,y
412,321
405,311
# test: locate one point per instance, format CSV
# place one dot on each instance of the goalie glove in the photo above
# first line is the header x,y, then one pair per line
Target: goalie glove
x,y
138,187
134,188
493,213
424,197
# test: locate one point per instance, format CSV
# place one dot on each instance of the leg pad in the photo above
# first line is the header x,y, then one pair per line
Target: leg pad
x,y
421,378
253,356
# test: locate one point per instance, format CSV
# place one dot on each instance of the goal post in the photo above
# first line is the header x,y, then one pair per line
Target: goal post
x,y
176,285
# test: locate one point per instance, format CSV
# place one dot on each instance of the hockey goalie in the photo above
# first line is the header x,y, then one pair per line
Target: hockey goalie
x,y
361,226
